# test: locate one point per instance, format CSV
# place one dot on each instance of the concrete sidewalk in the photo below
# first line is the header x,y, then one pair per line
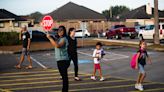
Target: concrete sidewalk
x,y
41,46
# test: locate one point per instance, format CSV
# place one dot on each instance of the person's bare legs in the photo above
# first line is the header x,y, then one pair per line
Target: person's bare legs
x,y
142,78
20,62
94,72
100,73
139,78
30,61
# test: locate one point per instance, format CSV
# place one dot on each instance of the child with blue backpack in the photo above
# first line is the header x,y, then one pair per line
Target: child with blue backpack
x,y
98,54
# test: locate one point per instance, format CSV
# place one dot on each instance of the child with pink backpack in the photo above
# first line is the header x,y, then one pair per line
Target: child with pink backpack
x,y
138,62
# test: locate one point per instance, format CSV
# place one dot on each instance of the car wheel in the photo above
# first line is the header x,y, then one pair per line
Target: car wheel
x,y
86,35
118,36
140,37
132,37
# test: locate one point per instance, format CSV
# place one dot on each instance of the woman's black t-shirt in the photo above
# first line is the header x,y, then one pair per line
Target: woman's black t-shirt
x,y
142,57
72,47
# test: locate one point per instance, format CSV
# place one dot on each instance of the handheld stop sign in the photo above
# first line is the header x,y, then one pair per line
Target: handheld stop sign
x,y
47,22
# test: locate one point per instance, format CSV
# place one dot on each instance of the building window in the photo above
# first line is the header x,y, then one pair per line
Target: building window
x,y
2,25
16,24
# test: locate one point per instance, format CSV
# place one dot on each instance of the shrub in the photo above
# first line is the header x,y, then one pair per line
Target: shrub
x,y
9,38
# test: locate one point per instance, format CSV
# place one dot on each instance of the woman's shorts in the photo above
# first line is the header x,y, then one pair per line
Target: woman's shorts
x,y
141,69
97,66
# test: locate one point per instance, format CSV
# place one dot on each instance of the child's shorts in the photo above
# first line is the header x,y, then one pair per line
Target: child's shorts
x,y
141,69
97,66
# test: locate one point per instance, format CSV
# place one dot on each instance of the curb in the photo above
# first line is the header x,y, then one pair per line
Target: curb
x,y
6,52
118,41
129,44
18,52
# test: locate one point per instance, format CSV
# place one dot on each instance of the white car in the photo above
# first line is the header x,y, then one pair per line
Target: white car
x,y
139,28
82,33
148,32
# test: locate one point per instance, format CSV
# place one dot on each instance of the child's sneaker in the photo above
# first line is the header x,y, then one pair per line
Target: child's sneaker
x,y
102,79
93,77
140,87
136,86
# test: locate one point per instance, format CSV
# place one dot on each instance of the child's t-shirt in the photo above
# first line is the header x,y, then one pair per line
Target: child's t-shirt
x,y
97,53
142,57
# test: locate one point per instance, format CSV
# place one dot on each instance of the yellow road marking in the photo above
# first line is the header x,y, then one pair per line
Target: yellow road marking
x,y
135,80
4,90
27,83
107,87
31,75
150,90
13,73
15,80
36,87
30,79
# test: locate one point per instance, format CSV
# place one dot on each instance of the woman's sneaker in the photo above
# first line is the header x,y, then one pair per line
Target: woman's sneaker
x,y
93,77
102,79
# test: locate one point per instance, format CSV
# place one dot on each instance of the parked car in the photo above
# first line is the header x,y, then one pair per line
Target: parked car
x,y
149,31
38,36
54,33
139,28
119,31
41,35
82,33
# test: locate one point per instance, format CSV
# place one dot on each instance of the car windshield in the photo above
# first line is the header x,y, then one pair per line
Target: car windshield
x,y
38,32
149,27
78,30
142,27
117,26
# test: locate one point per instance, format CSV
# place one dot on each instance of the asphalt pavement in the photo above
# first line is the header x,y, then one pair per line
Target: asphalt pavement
x,y
44,77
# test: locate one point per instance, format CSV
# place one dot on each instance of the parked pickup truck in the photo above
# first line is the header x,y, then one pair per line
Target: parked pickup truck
x,y
119,31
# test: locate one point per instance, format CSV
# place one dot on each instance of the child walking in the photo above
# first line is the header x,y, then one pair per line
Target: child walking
x,y
97,56
142,56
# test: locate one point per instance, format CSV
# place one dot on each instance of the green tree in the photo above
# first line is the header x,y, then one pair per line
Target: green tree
x,y
37,16
106,13
115,11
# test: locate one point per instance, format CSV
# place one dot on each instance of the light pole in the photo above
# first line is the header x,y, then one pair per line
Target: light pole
x,y
156,23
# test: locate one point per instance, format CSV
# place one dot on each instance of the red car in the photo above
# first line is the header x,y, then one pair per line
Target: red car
x,y
119,31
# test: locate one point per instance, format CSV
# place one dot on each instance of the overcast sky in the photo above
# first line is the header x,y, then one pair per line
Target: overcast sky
x,y
24,7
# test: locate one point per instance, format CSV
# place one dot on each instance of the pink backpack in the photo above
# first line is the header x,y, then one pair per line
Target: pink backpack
x,y
133,61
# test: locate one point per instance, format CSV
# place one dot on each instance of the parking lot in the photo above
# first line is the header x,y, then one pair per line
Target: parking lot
x,y
119,77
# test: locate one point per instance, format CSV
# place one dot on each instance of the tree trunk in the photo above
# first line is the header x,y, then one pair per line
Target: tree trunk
x,y
156,23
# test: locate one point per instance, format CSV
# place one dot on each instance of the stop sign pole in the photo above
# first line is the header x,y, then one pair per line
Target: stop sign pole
x,y
47,23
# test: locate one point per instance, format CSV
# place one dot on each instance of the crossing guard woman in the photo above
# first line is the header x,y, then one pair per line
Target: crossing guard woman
x,y
61,55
